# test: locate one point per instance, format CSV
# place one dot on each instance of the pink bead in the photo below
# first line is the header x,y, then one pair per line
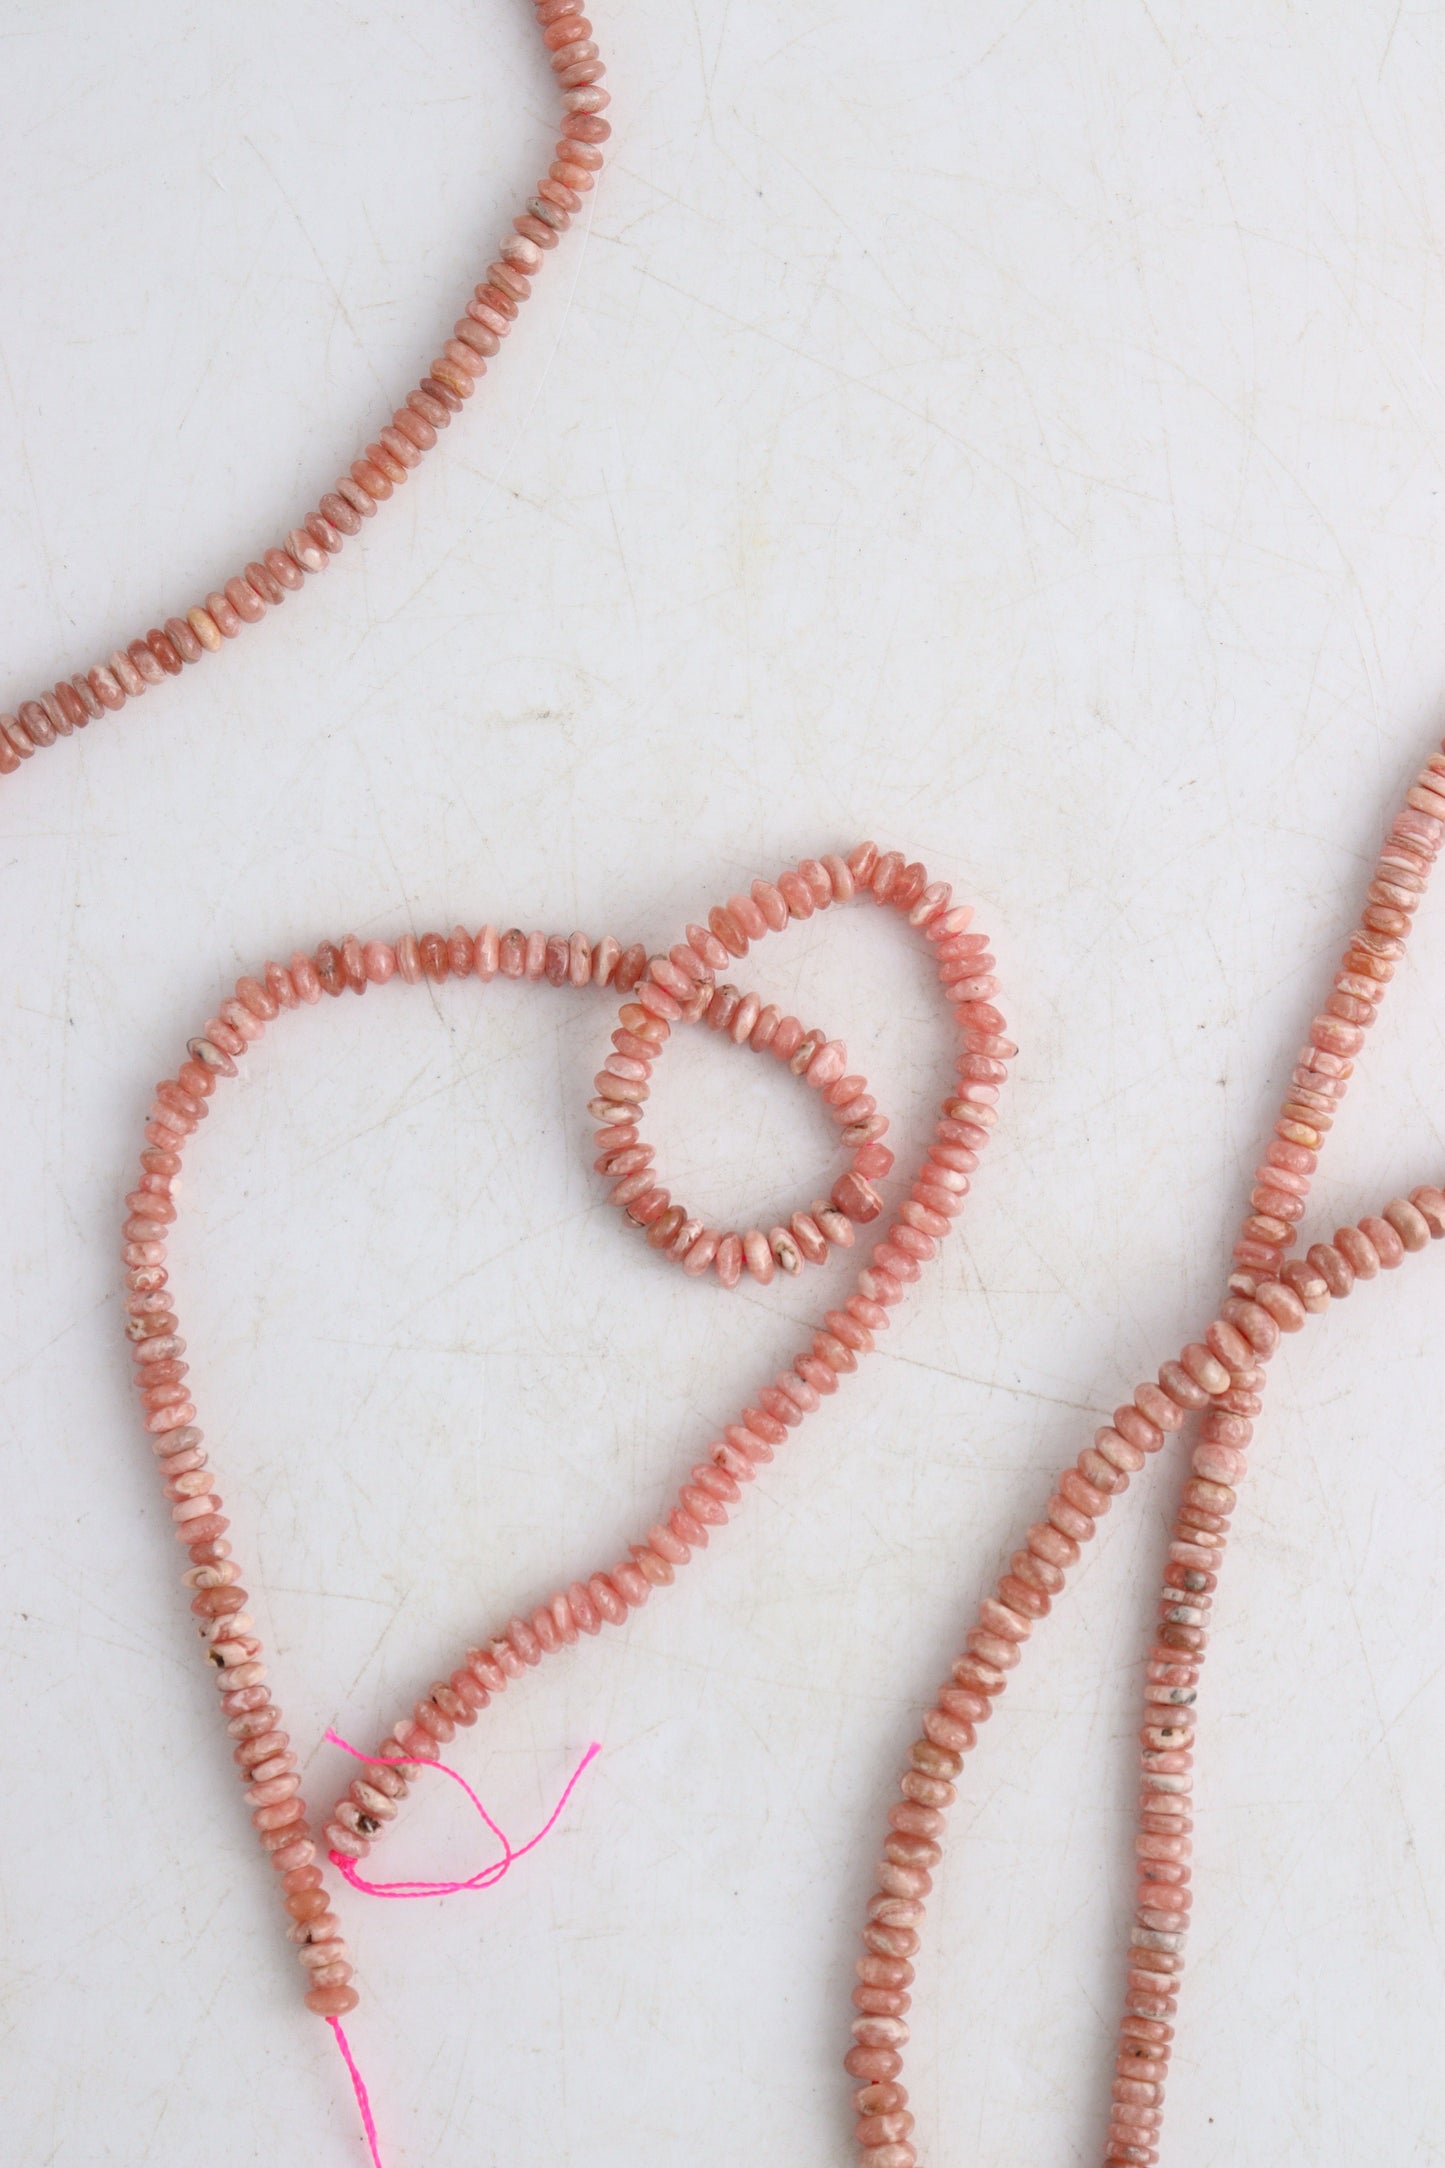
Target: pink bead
x,y
770,905
486,953
808,1236
744,912
857,1199
304,550
609,1604
284,569
827,1065
1385,1241
659,1002
796,894
303,976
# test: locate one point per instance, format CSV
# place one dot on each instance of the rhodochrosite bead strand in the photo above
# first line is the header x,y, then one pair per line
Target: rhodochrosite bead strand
x,y
660,992
717,1483
1220,1379
384,465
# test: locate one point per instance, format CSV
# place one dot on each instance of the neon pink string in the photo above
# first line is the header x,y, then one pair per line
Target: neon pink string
x,y
363,2100
485,1877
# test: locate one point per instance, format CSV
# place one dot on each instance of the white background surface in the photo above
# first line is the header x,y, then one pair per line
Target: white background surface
x,y
1011,431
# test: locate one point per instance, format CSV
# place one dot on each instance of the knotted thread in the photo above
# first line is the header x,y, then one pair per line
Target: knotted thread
x,y
485,1878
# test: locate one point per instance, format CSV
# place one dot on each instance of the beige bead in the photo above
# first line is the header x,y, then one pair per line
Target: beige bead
x,y
1430,1204
1409,1223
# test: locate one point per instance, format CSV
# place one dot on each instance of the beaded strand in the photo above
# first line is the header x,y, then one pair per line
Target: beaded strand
x,y
384,465
663,991
1220,1378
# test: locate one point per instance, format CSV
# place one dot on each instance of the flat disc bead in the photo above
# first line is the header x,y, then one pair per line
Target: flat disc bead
x,y
332,2001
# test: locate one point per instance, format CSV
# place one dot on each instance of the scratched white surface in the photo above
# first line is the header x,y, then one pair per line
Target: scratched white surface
x,y
1014,431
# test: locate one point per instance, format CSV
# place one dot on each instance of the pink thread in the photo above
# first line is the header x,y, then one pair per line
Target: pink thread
x,y
363,2100
485,1877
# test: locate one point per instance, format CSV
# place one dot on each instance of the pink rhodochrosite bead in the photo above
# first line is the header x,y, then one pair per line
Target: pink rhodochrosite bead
x,y
249,596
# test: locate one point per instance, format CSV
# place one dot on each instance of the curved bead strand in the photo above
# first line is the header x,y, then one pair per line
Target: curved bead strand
x,y
674,986
1219,1381
380,470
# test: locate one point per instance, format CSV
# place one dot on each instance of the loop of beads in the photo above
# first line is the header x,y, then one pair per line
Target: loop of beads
x,y
682,987
401,446
715,1486
1220,1378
